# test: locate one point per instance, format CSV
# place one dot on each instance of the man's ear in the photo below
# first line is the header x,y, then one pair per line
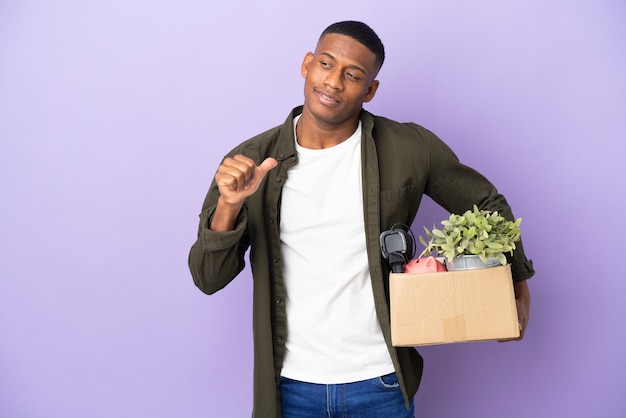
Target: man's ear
x,y
371,91
304,70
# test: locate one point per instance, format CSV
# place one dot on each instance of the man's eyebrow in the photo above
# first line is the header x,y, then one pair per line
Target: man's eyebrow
x,y
356,67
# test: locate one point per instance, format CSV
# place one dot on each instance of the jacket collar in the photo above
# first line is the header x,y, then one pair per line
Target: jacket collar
x,y
287,147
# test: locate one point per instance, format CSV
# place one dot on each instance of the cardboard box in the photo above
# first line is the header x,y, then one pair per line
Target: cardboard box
x,y
451,307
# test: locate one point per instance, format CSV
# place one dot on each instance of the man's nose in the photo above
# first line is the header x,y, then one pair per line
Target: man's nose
x,y
334,80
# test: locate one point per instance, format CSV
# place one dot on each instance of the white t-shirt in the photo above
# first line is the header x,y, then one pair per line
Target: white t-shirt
x,y
333,334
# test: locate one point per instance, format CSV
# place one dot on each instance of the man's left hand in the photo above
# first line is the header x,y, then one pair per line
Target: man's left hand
x,y
522,300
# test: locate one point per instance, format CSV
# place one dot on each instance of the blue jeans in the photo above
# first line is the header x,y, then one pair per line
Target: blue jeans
x,y
380,397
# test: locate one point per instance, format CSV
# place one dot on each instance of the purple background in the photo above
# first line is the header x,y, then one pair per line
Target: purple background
x,y
114,116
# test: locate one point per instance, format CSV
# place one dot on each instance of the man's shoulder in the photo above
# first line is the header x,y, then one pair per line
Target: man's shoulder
x,y
268,135
276,139
260,143
285,129
386,127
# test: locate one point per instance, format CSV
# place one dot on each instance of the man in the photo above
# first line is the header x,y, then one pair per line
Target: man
x,y
309,199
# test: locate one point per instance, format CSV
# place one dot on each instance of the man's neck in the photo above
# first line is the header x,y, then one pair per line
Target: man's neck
x,y
314,135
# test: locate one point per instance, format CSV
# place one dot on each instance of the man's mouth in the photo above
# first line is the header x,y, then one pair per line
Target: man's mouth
x,y
326,98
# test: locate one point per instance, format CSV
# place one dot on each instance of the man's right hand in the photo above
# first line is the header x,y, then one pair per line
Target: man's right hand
x,y
236,178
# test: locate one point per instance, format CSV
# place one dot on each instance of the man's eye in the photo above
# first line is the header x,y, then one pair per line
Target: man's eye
x,y
352,76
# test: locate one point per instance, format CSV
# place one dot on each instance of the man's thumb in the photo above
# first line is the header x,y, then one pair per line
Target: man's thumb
x,y
267,165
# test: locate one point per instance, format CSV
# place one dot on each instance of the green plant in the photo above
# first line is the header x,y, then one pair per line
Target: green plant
x,y
476,232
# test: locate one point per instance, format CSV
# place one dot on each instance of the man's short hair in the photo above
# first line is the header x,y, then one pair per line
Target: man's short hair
x,y
361,33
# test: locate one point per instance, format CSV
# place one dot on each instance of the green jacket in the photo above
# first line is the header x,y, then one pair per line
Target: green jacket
x,y
401,162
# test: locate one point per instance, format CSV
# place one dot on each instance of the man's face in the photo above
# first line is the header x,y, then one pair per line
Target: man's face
x,y
339,78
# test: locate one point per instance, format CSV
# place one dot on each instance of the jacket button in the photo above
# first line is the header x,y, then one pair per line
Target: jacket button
x,y
279,339
279,300
279,179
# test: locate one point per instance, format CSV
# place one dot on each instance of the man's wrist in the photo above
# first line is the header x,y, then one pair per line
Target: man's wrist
x,y
225,216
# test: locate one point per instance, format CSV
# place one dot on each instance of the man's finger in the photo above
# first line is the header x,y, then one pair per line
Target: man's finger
x,y
260,172
267,165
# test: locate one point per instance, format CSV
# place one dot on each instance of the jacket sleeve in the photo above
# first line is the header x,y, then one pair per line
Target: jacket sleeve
x,y
457,187
216,258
